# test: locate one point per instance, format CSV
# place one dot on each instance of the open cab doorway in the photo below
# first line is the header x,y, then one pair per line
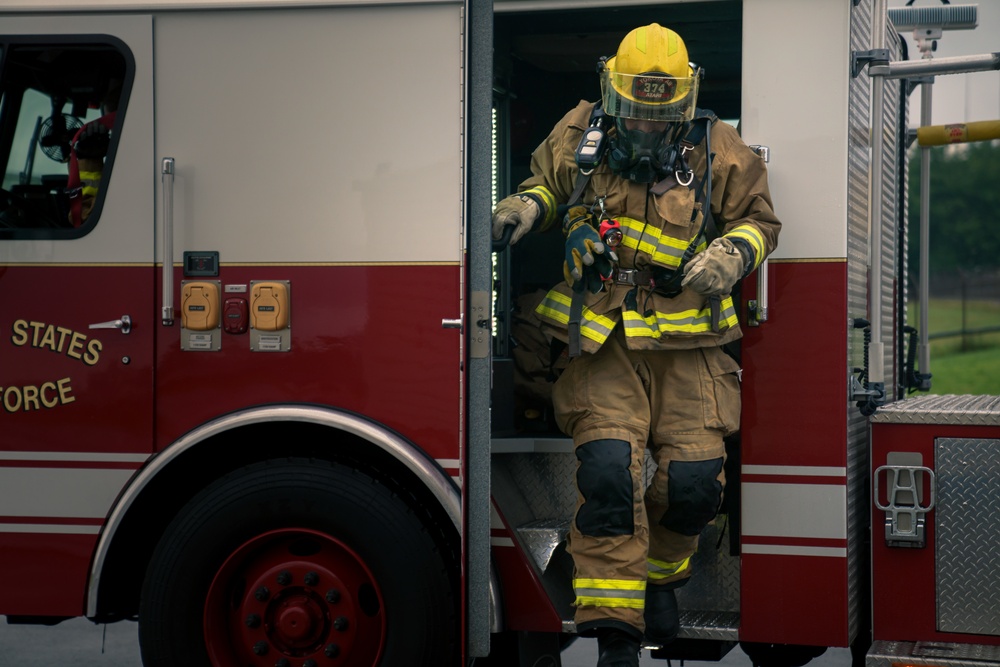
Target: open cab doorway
x,y
545,63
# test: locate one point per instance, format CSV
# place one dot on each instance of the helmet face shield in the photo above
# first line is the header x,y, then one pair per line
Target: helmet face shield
x,y
651,96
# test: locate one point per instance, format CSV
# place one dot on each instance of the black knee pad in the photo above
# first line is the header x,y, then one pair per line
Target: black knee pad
x,y
693,495
605,482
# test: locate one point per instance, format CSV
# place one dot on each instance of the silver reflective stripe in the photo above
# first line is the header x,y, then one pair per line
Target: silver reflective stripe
x,y
611,593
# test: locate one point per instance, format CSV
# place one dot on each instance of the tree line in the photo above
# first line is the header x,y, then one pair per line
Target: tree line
x,y
964,208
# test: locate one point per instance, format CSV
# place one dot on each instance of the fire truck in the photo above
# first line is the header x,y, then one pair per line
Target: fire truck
x,y
259,378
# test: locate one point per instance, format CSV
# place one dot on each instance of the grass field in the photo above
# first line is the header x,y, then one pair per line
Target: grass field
x,y
974,369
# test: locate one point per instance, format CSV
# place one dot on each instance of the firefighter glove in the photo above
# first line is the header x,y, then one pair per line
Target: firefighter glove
x,y
587,258
521,211
92,144
715,270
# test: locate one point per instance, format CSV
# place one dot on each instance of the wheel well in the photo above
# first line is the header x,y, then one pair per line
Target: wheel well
x,y
166,493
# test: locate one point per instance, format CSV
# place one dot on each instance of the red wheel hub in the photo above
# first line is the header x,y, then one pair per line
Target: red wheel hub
x,y
294,598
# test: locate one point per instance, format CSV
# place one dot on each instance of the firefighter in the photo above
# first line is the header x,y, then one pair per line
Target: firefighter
x,y
689,206
89,148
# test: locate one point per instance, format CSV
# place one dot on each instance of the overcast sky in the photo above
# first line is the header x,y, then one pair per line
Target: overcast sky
x,y
960,98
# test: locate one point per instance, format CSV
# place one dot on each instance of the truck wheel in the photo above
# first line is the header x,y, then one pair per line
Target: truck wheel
x,y
300,563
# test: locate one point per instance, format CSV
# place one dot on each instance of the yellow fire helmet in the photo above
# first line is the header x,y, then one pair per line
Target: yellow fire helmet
x,y
650,77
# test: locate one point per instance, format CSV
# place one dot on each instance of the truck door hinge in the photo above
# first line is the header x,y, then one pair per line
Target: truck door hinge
x,y
480,325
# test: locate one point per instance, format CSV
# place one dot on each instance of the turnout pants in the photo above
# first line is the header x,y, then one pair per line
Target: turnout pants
x,y
615,404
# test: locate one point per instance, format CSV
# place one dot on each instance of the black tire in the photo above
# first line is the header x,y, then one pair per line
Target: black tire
x,y
350,570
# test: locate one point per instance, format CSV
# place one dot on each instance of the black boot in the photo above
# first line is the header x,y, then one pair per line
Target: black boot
x,y
616,648
661,615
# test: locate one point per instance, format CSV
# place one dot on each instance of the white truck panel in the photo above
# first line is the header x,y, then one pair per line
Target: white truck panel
x,y
362,164
808,140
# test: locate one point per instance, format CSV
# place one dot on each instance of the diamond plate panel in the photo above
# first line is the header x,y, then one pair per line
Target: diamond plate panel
x,y
710,625
541,538
948,409
715,584
885,654
546,482
967,523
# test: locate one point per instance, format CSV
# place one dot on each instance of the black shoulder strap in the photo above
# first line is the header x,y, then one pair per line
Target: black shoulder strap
x,y
701,131
597,118
698,125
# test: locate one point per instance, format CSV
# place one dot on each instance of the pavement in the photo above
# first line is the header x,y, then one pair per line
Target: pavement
x,y
583,653
80,643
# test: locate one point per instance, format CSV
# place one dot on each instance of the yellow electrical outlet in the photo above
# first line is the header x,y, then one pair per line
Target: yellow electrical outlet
x,y
269,306
200,307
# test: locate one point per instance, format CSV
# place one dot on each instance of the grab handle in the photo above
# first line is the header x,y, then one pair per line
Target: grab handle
x,y
167,171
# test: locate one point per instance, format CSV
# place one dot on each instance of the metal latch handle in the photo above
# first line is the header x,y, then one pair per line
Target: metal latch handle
x,y
124,324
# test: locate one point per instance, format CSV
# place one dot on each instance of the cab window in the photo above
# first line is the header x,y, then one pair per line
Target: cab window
x,y
61,107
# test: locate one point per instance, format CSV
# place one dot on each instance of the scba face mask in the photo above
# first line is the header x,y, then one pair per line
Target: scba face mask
x,y
642,157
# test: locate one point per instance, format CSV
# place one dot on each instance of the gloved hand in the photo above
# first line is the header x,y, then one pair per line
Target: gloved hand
x,y
521,211
587,258
92,144
715,270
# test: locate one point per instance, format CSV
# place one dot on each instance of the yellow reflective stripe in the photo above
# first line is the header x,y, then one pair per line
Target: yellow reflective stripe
x,y
640,39
628,593
90,175
663,248
555,306
686,321
661,569
89,190
610,584
548,199
587,601
751,235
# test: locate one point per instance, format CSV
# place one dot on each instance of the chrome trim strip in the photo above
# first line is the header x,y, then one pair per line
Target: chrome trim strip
x,y
49,528
67,457
424,468
803,471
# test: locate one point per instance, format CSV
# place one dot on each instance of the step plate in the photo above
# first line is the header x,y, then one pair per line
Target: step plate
x,y
884,654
